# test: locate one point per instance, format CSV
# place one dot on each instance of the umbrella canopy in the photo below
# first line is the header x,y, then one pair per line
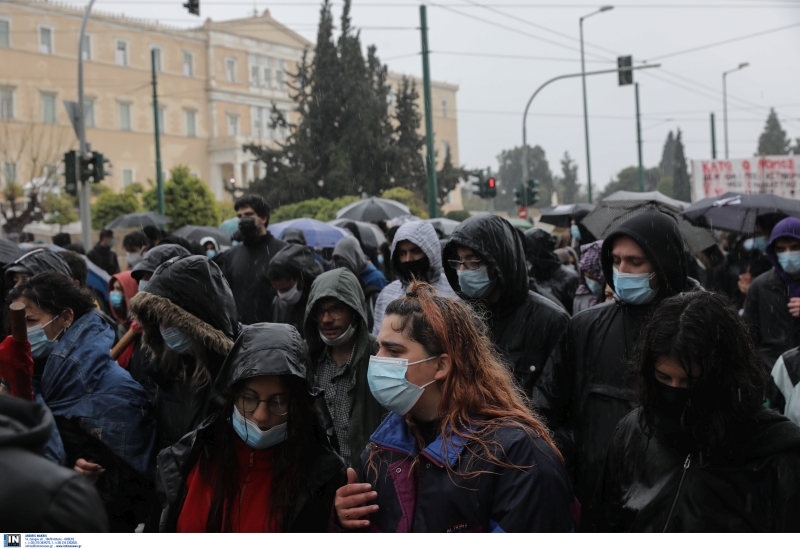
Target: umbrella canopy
x,y
561,216
138,219
446,225
9,252
371,235
610,213
230,226
194,233
373,209
736,212
318,234
399,220
519,223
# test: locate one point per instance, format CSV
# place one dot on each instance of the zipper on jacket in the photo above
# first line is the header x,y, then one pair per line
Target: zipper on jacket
x,y
678,493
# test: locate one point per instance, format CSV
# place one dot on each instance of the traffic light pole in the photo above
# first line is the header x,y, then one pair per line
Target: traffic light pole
x,y
639,140
85,195
430,164
156,125
713,138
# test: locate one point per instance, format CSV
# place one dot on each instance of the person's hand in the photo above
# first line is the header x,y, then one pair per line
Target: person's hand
x,y
745,279
90,470
350,502
794,307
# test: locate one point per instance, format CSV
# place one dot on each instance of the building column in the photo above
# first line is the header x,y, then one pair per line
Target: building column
x,y
237,173
249,172
216,181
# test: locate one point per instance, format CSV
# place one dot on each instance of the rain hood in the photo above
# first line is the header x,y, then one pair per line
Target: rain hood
x,y
540,251
155,257
299,261
342,285
348,253
40,260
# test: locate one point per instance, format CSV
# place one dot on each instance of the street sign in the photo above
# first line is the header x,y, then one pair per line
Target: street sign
x,y
74,113
523,212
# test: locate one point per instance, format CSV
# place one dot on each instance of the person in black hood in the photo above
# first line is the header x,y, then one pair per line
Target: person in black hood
x,y
292,272
39,260
485,265
547,271
701,453
245,267
263,463
152,259
589,387
36,495
189,322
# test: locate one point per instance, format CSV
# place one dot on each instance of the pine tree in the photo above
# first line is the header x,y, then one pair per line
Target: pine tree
x,y
510,174
773,140
447,177
681,185
409,167
668,156
569,181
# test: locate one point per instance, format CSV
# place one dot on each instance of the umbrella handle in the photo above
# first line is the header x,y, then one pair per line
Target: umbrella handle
x,y
19,328
123,344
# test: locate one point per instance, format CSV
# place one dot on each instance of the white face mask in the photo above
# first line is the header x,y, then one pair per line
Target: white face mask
x,y
133,258
341,340
292,296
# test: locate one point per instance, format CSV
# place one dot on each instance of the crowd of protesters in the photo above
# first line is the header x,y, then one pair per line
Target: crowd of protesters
x,y
493,381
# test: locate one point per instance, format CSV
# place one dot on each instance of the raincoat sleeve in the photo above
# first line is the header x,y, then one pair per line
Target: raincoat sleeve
x,y
606,509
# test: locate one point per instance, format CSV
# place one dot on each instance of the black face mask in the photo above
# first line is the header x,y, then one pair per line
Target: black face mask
x,y
415,269
677,414
247,226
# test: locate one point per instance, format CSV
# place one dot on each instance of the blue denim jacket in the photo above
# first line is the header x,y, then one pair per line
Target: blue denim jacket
x,y
82,382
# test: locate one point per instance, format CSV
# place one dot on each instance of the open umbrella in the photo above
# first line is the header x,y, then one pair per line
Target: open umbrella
x,y
622,205
399,220
519,223
138,219
446,225
561,216
373,209
230,226
194,233
318,234
371,235
736,212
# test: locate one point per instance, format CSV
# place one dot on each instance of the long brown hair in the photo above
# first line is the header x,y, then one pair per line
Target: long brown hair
x,y
479,394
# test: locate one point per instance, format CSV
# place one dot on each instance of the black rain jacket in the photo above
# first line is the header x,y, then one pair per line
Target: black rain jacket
x,y
261,349
105,258
300,263
591,385
751,486
36,495
548,275
245,269
766,311
525,326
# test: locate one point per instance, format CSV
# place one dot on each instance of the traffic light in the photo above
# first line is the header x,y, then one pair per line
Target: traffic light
x,y
491,187
532,192
625,76
478,188
193,6
71,173
98,168
519,195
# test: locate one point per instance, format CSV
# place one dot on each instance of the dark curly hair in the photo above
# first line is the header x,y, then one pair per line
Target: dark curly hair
x,y
702,330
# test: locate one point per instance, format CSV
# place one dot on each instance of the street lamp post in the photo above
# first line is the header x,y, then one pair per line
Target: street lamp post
x,y
585,109
725,101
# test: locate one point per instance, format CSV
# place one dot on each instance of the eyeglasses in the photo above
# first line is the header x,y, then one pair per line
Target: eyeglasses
x,y
469,264
278,404
334,310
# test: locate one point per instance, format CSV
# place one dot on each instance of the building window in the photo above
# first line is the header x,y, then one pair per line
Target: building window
x,y
267,72
445,148
255,70
257,122
157,51
444,108
125,117
230,69
46,40
392,99
5,34
9,172
86,50
191,123
128,177
6,104
88,112
233,124
280,75
162,120
122,53
48,108
188,63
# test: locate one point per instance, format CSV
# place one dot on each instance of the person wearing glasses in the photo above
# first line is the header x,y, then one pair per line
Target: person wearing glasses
x,y
340,345
263,463
486,266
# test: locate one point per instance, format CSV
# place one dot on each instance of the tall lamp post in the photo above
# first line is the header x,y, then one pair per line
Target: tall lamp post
x,y
585,109
725,100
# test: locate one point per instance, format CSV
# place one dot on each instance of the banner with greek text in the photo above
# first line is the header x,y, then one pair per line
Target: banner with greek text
x,y
765,174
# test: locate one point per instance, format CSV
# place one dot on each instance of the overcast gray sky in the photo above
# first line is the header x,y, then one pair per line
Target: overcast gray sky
x,y
495,85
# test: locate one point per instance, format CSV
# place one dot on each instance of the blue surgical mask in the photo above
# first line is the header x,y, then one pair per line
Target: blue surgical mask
x,y
575,232
143,285
634,288
571,267
177,340
41,347
387,381
111,243
758,243
594,286
476,283
211,253
115,298
790,262
254,437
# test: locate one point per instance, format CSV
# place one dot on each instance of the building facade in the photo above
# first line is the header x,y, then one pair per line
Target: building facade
x,y
216,87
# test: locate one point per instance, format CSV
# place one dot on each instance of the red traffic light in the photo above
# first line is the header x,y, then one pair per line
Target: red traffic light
x,y
491,182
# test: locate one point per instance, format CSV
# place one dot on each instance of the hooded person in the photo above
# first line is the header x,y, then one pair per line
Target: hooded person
x,y
209,246
485,265
547,270
121,289
593,281
340,345
36,495
348,253
154,257
773,300
39,260
589,387
189,322
263,463
416,254
292,272
297,236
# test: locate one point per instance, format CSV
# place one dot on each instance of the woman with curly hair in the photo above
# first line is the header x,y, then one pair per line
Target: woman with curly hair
x,y
460,450
701,453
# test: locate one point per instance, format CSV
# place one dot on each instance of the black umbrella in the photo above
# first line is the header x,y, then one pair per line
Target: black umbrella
x,y
561,216
194,233
610,213
371,235
138,219
373,209
9,252
736,212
